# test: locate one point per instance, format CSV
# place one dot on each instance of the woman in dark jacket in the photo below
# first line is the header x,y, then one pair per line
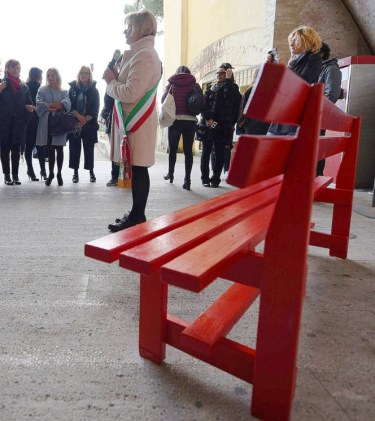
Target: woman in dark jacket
x,y
33,82
219,117
181,84
16,107
305,60
84,97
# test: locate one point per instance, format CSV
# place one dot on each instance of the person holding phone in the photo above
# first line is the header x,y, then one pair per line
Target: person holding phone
x,y
220,115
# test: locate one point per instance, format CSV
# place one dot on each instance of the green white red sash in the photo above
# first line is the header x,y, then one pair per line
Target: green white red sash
x,y
138,115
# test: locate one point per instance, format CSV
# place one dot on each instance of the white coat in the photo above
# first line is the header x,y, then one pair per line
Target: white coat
x,y
140,70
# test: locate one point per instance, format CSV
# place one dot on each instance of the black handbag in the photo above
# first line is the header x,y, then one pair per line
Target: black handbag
x,y
60,123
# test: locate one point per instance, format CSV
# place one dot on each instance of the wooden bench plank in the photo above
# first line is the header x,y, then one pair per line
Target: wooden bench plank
x,y
217,321
149,256
108,248
195,269
230,356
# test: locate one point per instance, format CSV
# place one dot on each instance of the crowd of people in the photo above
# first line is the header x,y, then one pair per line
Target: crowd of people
x,y
130,114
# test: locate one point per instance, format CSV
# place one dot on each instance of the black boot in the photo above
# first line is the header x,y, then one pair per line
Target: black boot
x,y
92,177
75,178
60,181
186,184
31,175
43,174
169,176
7,180
49,179
16,180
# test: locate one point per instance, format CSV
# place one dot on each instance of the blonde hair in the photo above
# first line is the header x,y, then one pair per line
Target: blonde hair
x,y
143,23
86,68
306,38
57,74
11,63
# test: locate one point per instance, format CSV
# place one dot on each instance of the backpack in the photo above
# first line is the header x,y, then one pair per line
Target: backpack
x,y
195,101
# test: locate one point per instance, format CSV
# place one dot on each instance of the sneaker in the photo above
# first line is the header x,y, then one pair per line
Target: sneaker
x,y
112,182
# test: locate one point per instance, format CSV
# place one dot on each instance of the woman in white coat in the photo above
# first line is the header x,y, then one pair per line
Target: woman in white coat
x,y
51,98
135,84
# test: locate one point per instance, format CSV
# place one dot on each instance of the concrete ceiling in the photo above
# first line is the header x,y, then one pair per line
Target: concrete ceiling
x,y
363,12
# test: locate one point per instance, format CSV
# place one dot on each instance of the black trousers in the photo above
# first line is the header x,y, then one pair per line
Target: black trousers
x,y
217,166
115,171
140,191
75,153
10,153
186,129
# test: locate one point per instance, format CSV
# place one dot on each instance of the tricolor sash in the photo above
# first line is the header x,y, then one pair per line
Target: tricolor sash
x,y
129,124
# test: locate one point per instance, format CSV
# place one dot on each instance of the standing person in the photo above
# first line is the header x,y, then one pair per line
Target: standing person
x,y
305,60
106,116
136,81
249,125
49,99
33,82
84,97
16,107
181,84
331,77
219,117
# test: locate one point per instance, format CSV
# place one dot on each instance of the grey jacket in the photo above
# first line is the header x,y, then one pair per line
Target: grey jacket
x,y
44,97
331,77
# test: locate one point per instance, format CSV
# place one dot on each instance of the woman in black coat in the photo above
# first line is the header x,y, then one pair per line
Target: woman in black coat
x,y
15,111
33,82
305,60
84,97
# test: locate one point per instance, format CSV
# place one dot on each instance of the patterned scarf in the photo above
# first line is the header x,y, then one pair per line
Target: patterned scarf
x,y
15,83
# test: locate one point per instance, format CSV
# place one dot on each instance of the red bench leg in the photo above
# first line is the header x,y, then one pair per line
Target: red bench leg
x,y
152,318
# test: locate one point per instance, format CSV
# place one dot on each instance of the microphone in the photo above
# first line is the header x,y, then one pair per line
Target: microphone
x,y
116,56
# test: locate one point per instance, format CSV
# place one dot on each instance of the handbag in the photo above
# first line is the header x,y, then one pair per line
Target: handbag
x,y
60,123
195,101
167,114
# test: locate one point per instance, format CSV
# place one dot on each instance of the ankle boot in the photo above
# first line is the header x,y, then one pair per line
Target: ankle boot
x,y
92,177
75,178
31,175
16,180
169,176
60,181
43,174
7,180
186,184
49,179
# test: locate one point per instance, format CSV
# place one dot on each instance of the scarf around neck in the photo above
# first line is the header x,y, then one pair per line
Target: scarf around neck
x,y
15,83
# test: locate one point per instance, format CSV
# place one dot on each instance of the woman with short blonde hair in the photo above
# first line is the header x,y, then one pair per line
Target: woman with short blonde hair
x,y
305,60
143,23
306,38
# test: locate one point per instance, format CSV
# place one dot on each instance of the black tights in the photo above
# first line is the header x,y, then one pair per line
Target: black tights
x,y
59,158
140,190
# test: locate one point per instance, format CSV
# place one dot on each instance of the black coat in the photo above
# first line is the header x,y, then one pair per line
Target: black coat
x,y
222,105
13,115
308,66
90,129
32,128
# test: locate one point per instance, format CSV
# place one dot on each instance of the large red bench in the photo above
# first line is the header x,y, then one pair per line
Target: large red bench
x,y
218,238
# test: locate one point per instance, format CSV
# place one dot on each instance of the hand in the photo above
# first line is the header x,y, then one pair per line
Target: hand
x,y
54,106
209,122
229,74
109,75
3,85
30,107
82,119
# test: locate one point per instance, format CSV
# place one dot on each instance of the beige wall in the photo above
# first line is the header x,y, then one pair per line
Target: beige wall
x,y
211,32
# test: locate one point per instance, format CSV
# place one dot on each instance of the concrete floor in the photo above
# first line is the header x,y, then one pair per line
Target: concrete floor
x,y
69,324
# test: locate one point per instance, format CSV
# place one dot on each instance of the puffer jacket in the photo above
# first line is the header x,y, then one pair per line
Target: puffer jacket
x,y
331,77
181,84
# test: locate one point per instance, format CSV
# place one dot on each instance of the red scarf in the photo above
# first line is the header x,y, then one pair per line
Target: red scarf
x,y
15,83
